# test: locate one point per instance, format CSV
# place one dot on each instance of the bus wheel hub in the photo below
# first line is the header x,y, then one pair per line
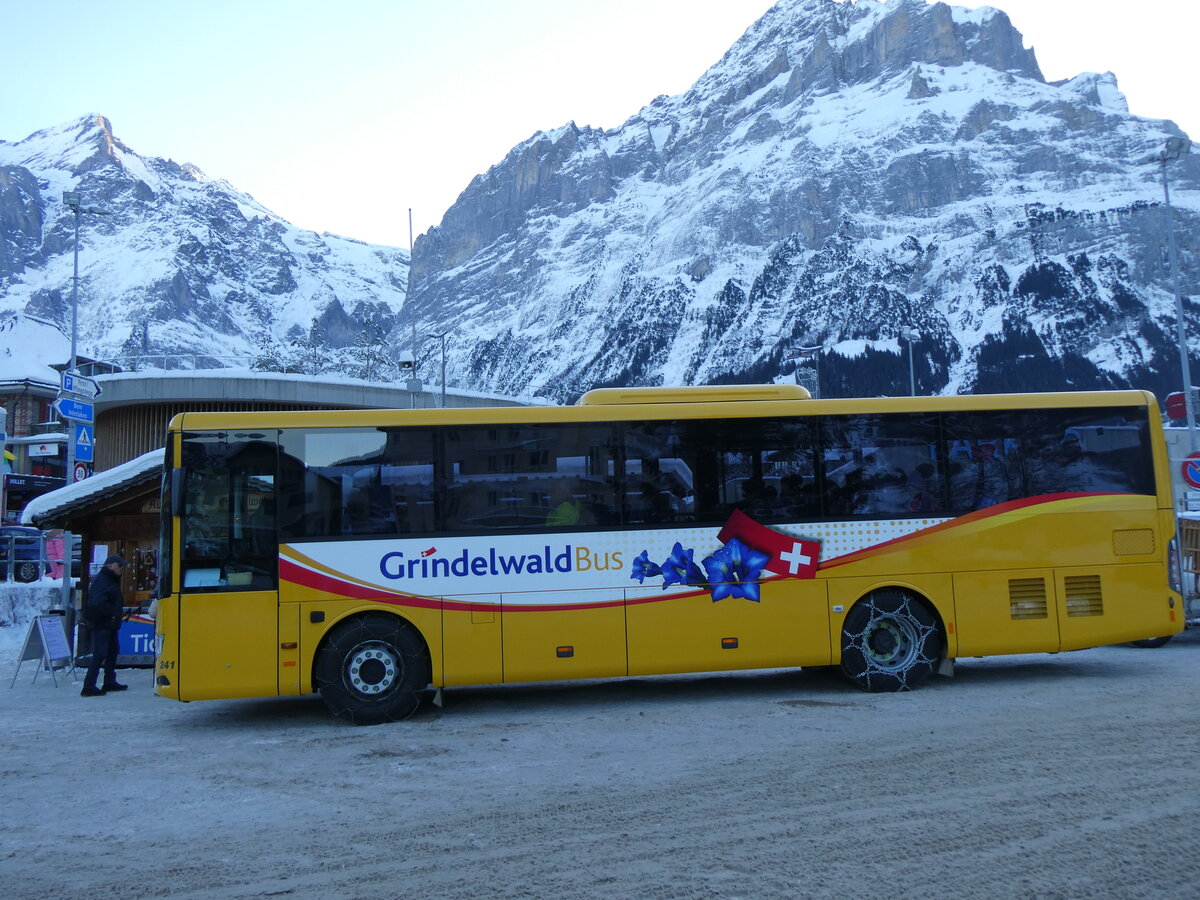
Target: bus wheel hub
x,y
885,642
372,668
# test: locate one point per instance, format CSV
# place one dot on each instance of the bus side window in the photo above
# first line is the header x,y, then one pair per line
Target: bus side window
x,y
229,531
340,482
532,476
882,464
658,481
762,467
1009,455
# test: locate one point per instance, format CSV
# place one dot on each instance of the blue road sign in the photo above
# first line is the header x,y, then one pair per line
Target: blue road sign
x,y
73,409
85,442
77,384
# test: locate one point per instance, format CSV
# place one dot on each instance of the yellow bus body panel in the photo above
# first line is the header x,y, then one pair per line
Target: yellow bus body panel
x,y
1104,606
167,664
230,644
560,643
472,642
996,611
289,651
787,627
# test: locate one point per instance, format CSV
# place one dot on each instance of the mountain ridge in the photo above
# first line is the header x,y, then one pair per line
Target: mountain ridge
x,y
644,254
182,264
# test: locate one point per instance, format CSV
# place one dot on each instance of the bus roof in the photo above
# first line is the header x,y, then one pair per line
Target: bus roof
x,y
722,393
614,404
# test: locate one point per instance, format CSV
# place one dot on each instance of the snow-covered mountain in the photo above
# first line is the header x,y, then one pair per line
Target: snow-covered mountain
x,y
846,171
181,264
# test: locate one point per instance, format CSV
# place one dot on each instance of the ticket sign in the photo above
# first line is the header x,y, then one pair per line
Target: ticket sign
x,y
1191,469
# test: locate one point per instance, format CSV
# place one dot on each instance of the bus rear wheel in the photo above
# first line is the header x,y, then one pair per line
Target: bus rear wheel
x,y
372,669
890,642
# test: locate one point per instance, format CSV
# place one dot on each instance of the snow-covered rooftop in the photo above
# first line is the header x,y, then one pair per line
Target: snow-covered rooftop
x,y
142,468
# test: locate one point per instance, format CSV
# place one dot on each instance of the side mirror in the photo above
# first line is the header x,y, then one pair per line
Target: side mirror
x,y
178,479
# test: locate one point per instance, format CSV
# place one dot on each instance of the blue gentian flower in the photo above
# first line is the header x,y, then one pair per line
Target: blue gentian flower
x,y
680,568
643,568
734,570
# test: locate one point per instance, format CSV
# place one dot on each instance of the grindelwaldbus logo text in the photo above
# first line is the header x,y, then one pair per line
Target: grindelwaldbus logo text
x,y
396,565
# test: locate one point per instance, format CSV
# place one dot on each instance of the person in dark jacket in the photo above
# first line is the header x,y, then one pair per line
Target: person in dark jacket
x,y
103,613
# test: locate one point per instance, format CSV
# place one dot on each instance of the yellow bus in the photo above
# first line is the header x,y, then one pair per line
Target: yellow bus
x,y
373,555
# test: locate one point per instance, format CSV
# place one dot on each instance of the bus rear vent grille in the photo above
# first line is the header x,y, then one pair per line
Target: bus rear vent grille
x,y
1133,542
1083,595
1027,598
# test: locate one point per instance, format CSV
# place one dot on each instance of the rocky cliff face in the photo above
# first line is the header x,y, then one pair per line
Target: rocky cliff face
x,y
181,264
846,171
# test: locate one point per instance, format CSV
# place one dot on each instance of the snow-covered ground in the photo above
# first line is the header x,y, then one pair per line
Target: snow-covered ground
x,y
1068,775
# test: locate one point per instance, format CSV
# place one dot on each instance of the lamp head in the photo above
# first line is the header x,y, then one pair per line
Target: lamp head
x,y
1176,147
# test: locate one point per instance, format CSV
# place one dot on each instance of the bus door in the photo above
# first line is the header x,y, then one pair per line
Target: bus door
x,y
229,628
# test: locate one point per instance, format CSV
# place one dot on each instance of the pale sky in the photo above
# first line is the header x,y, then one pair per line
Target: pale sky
x,y
343,116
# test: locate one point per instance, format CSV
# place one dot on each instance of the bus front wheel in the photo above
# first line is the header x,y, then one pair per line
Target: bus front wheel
x,y
890,642
372,669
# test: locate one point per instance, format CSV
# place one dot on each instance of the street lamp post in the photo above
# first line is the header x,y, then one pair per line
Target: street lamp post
x,y
1173,148
443,337
814,353
411,358
910,337
73,200
408,366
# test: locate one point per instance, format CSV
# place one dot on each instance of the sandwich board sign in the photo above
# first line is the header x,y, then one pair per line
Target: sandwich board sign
x,y
46,641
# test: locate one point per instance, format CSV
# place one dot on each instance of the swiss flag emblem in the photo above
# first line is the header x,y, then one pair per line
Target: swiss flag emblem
x,y
794,557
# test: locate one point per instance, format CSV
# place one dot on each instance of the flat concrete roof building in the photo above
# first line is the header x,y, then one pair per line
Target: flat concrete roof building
x,y
133,408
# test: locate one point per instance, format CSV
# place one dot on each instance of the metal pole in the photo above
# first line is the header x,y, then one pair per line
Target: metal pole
x,y
69,474
1188,393
912,378
444,369
75,298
